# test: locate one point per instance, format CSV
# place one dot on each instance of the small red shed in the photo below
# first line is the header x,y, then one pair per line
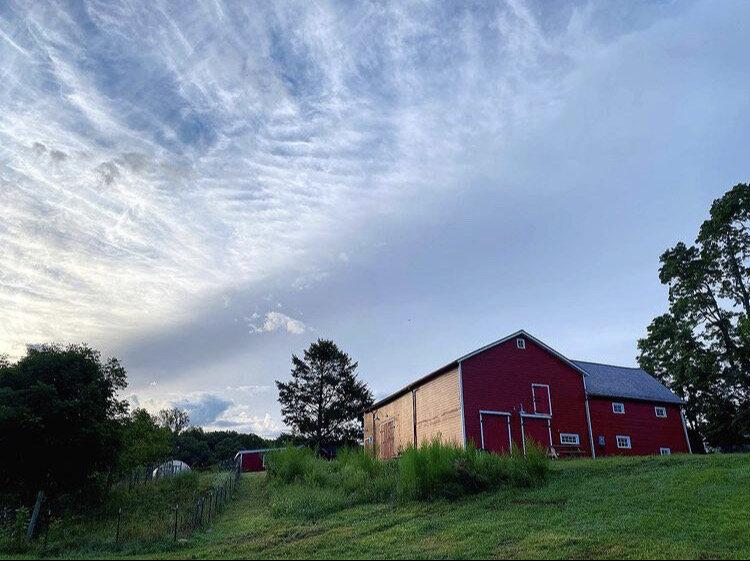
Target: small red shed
x,y
252,460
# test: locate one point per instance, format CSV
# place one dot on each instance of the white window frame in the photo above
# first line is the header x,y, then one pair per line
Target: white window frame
x,y
505,414
615,407
570,435
549,399
660,409
628,445
663,451
521,343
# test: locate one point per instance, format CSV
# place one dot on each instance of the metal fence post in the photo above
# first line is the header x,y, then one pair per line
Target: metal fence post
x,y
46,528
176,510
35,515
119,518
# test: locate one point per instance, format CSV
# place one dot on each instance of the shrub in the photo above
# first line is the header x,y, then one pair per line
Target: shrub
x,y
430,471
13,538
308,486
290,465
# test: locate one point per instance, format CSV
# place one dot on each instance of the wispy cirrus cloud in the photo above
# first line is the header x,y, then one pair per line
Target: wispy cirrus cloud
x,y
153,155
373,170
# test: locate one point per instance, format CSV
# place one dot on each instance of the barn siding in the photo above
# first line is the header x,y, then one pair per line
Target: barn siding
x,y
438,408
500,378
252,461
647,432
400,412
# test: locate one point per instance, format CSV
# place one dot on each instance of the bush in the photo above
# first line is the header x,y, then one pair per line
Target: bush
x,y
295,465
309,486
13,538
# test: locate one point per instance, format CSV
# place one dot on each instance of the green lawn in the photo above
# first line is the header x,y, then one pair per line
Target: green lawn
x,y
677,507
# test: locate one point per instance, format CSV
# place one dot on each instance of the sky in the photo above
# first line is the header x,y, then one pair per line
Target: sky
x,y
203,189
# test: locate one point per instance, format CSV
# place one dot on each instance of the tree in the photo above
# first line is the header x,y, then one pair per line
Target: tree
x,y
324,401
176,420
60,419
144,441
701,347
202,449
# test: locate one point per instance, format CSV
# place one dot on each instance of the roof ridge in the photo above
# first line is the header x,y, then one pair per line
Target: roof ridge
x,y
612,365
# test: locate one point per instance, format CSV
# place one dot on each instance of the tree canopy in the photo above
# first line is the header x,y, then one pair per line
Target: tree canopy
x,y
59,418
701,346
174,419
324,400
64,430
145,441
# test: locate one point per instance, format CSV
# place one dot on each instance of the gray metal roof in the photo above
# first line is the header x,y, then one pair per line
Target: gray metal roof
x,y
606,380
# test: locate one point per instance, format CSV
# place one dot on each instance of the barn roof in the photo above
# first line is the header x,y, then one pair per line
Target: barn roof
x,y
606,380
255,451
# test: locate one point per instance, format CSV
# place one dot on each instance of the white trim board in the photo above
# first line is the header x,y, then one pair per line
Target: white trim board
x,y
496,414
549,398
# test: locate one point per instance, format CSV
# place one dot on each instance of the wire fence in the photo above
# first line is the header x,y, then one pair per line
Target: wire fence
x,y
143,475
180,521
132,524
7,516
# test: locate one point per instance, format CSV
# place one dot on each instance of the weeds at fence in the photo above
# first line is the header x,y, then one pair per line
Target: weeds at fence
x,y
134,518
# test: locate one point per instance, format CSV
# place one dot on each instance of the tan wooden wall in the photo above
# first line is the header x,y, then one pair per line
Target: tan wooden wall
x,y
400,412
438,408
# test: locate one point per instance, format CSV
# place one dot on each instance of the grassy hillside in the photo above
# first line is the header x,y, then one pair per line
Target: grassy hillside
x,y
678,507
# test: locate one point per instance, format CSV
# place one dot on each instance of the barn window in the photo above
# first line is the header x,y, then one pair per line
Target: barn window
x,y
569,439
618,408
665,451
521,343
661,412
623,442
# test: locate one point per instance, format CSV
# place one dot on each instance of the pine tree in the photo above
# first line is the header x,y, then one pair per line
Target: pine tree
x,y
324,401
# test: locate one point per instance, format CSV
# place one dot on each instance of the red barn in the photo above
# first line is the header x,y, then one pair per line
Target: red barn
x,y
252,460
519,389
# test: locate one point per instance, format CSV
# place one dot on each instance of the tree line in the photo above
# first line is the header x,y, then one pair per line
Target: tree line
x,y
64,430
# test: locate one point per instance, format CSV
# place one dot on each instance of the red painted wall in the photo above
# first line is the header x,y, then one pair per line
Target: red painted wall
x,y
500,378
647,432
252,461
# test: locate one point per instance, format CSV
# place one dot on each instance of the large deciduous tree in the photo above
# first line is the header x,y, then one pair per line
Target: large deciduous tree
x,y
145,441
324,400
174,419
701,347
60,419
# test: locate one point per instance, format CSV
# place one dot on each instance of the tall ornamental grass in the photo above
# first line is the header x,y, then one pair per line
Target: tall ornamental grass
x,y
303,484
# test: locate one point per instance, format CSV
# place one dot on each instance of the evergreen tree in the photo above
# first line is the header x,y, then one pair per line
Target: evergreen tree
x,y
324,401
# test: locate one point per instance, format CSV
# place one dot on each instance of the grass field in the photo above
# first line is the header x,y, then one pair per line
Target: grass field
x,y
677,507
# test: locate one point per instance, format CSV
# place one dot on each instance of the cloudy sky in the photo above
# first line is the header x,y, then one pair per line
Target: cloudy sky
x,y
202,189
